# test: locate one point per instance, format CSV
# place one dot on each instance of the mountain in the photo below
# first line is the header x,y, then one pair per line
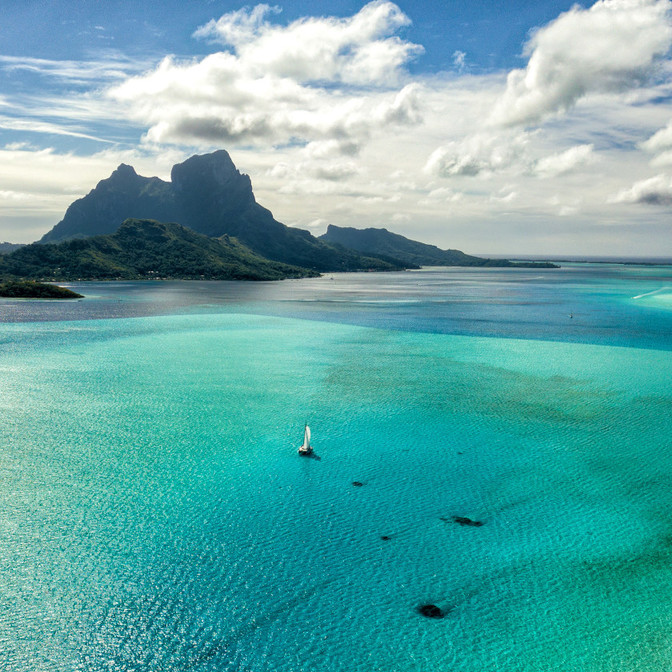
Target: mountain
x,y
214,199
123,195
145,249
393,246
210,196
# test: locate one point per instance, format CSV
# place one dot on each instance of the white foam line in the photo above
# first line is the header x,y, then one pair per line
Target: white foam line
x,y
655,291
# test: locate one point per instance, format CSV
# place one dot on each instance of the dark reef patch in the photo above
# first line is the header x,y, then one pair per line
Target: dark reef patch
x,y
430,611
463,520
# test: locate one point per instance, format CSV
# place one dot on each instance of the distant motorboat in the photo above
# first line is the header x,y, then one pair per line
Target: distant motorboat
x,y
306,449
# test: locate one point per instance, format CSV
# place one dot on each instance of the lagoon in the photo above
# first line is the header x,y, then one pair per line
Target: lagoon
x,y
156,516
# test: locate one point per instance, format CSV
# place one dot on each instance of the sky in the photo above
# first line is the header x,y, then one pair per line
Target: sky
x,y
537,127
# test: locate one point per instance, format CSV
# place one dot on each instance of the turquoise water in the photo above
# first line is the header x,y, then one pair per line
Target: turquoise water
x,y
156,515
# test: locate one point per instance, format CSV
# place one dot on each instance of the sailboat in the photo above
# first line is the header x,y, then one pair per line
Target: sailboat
x,y
306,449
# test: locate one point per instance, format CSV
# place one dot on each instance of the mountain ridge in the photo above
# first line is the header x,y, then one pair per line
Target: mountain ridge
x,y
412,252
209,195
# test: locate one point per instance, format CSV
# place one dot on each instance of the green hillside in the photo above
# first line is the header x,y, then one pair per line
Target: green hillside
x,y
27,289
145,249
393,246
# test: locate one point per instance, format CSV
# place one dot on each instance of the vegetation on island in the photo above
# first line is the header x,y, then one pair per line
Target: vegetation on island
x,y
145,249
382,242
27,289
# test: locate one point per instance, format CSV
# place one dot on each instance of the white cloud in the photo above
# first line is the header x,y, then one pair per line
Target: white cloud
x,y
362,49
317,226
610,47
313,80
660,144
451,161
459,60
662,159
321,149
480,153
505,195
239,27
14,195
565,162
661,140
404,110
653,191
335,172
41,126
444,194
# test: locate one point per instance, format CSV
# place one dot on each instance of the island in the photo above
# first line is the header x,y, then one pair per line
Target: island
x,y
26,289
205,224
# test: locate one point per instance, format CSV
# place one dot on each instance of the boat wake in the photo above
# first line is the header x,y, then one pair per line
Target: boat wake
x,y
655,291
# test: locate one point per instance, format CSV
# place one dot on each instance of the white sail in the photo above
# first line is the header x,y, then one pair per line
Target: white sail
x,y
306,448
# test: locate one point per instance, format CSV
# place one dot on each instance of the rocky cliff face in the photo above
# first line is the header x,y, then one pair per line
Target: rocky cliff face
x,y
206,193
122,195
214,198
210,196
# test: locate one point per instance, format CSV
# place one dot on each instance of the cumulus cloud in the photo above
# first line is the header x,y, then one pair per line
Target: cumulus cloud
x,y
315,79
336,172
238,27
480,153
361,49
444,194
404,110
612,46
660,141
660,144
325,149
653,191
565,162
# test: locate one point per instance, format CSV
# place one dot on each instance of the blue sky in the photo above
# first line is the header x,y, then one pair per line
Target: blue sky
x,y
492,127
491,31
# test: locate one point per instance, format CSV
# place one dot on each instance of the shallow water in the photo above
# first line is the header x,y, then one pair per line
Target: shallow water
x,y
156,515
